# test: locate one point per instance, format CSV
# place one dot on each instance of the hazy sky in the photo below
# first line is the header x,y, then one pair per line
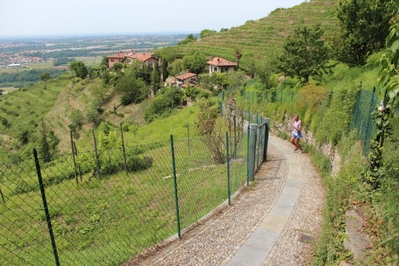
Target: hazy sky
x,y
55,17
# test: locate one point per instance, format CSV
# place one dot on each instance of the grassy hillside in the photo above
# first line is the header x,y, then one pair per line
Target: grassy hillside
x,y
55,101
257,39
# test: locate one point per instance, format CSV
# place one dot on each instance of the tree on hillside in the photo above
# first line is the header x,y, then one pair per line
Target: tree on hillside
x,y
133,89
165,71
189,38
47,142
265,70
364,27
389,70
177,67
79,68
195,61
45,76
238,55
170,53
141,70
155,79
305,54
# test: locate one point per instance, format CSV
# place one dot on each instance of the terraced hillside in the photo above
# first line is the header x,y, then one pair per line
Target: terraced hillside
x,y
256,39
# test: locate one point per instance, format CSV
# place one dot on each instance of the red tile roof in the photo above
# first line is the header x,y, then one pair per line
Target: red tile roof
x,y
186,76
218,61
132,55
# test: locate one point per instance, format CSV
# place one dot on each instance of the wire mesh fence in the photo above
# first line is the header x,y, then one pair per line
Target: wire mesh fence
x,y
105,206
362,118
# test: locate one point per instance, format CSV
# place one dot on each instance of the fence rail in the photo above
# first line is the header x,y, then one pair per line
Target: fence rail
x,y
104,207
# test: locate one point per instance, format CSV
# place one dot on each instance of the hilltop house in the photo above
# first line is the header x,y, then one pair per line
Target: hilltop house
x,y
186,78
121,57
221,65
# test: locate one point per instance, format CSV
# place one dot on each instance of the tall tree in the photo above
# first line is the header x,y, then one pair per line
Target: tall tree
x,y
47,142
364,27
305,54
155,79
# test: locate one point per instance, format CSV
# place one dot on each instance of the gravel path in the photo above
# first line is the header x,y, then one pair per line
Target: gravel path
x,y
216,240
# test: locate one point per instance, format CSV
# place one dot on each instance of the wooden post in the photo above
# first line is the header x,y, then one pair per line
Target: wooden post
x,y
123,147
188,137
96,153
73,158
76,153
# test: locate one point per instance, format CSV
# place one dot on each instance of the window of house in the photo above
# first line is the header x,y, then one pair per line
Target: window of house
x,y
215,69
112,60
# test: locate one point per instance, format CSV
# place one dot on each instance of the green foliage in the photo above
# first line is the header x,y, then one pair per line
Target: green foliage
x,y
305,54
47,143
116,67
265,70
206,125
189,38
195,61
207,32
79,68
163,104
76,120
26,76
389,72
364,27
339,115
45,76
155,79
131,87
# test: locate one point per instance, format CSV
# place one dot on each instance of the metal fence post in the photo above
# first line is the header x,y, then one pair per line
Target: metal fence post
x,y
46,211
175,186
267,130
252,152
228,166
248,136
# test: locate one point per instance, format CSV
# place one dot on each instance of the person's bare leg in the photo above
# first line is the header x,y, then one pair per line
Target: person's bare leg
x,y
298,145
293,141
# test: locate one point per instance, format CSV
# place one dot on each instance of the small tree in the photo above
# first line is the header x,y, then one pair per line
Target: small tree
x,y
189,38
45,76
206,126
79,68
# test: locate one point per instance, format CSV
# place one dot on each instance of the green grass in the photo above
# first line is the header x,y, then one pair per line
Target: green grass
x,y
108,221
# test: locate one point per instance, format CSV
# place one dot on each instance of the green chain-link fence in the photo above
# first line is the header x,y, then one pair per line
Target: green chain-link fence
x,y
105,206
362,119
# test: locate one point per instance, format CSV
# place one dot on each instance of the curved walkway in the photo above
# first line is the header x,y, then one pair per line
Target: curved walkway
x,y
274,223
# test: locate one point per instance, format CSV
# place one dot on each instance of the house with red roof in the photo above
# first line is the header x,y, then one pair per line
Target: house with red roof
x,y
121,57
186,78
221,65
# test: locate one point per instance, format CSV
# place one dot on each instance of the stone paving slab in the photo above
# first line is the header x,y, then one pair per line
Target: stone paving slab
x,y
256,249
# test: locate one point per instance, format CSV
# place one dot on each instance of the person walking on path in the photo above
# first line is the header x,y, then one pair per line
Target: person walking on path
x,y
297,133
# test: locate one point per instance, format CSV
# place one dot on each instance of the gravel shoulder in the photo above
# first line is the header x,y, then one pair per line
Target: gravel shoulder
x,y
215,240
